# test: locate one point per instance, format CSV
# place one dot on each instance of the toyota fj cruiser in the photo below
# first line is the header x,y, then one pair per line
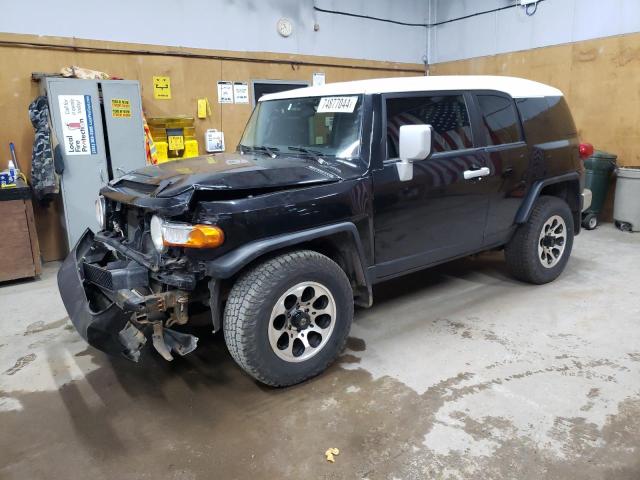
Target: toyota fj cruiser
x,y
332,189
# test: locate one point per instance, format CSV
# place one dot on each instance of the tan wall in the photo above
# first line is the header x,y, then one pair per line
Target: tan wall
x,y
600,78
193,73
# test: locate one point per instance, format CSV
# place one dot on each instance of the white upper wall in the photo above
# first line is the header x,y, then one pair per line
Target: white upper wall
x,y
555,22
240,25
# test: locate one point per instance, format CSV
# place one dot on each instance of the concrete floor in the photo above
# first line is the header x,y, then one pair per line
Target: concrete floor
x,y
457,372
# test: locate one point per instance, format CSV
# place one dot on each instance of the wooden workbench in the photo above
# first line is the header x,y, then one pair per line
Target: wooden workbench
x,y
19,250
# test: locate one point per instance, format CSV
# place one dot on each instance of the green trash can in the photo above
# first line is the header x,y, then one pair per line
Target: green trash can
x,y
598,170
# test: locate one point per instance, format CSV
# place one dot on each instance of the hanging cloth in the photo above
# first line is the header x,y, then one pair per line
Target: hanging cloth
x,y
44,179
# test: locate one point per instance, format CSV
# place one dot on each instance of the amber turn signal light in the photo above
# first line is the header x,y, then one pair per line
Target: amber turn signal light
x,y
173,234
204,236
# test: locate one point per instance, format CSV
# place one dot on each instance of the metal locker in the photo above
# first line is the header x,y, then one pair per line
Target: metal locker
x,y
77,124
123,122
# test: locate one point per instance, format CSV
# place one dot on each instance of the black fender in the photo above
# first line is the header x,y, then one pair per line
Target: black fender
x,y
232,262
524,212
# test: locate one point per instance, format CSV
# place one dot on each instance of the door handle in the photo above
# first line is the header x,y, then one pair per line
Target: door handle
x,y
480,172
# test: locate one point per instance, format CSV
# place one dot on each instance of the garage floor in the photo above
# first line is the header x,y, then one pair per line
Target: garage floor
x,y
457,372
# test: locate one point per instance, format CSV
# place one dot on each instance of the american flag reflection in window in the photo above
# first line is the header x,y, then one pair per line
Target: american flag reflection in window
x,y
447,114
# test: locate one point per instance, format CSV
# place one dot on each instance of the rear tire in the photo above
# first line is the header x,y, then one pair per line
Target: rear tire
x,y
287,318
539,250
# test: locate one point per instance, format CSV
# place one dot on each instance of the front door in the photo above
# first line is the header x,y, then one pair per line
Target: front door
x,y
439,214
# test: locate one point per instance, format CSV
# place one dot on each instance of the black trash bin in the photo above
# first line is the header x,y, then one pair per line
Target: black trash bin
x,y
599,168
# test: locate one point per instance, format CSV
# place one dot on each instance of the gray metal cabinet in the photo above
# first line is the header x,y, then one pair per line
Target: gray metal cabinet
x,y
77,124
97,125
123,120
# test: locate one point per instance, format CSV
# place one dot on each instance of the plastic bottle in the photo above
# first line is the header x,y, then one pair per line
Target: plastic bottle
x,y
12,171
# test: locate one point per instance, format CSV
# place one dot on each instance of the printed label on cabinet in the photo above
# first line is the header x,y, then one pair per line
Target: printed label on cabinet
x,y
120,108
78,132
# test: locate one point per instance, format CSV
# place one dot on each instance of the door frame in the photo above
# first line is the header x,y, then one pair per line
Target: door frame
x,y
493,236
254,101
472,112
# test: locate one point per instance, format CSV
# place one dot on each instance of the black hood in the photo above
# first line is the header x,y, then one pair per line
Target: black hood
x,y
229,171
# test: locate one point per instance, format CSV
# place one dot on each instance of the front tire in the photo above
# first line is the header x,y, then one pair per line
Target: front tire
x,y
539,250
287,318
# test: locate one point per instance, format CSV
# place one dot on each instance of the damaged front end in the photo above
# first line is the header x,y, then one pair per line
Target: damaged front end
x,y
115,300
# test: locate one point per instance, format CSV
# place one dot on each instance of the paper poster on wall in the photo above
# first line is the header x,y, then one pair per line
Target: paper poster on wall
x,y
120,108
162,88
78,132
318,79
214,140
225,92
240,92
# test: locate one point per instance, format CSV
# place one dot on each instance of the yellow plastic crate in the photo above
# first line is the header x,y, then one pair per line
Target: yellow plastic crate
x,y
190,149
174,137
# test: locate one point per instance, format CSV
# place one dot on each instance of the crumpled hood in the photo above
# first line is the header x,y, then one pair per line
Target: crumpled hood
x,y
229,171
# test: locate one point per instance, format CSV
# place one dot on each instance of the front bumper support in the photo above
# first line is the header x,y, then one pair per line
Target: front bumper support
x,y
111,325
144,260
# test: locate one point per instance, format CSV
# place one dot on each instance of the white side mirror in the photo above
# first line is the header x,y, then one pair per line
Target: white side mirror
x,y
415,144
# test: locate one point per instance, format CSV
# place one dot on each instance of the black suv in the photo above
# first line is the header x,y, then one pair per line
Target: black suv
x,y
332,189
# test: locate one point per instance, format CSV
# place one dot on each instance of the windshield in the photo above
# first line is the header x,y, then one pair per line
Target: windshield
x,y
317,126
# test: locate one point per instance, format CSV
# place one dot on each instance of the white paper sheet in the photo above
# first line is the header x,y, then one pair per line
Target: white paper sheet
x,y
241,92
225,92
337,104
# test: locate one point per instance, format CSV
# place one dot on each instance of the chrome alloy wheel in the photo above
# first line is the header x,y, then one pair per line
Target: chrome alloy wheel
x,y
552,241
302,321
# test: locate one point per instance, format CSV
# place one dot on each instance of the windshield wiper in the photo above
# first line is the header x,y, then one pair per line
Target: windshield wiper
x,y
271,151
317,156
312,153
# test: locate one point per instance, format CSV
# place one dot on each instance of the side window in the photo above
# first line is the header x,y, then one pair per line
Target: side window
x,y
447,114
546,119
499,120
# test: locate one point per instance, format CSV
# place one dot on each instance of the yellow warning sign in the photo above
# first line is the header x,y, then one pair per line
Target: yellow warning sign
x,y
162,88
176,142
120,108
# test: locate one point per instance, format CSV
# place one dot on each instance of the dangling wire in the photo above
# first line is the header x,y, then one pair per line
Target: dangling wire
x,y
530,12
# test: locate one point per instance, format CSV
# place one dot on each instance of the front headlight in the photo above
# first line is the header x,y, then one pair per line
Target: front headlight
x,y
101,212
156,234
172,234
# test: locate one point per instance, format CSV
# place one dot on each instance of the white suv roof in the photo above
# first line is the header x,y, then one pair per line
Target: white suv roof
x,y
516,87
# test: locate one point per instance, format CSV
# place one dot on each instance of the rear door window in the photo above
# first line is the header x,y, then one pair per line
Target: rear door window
x,y
499,120
447,114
